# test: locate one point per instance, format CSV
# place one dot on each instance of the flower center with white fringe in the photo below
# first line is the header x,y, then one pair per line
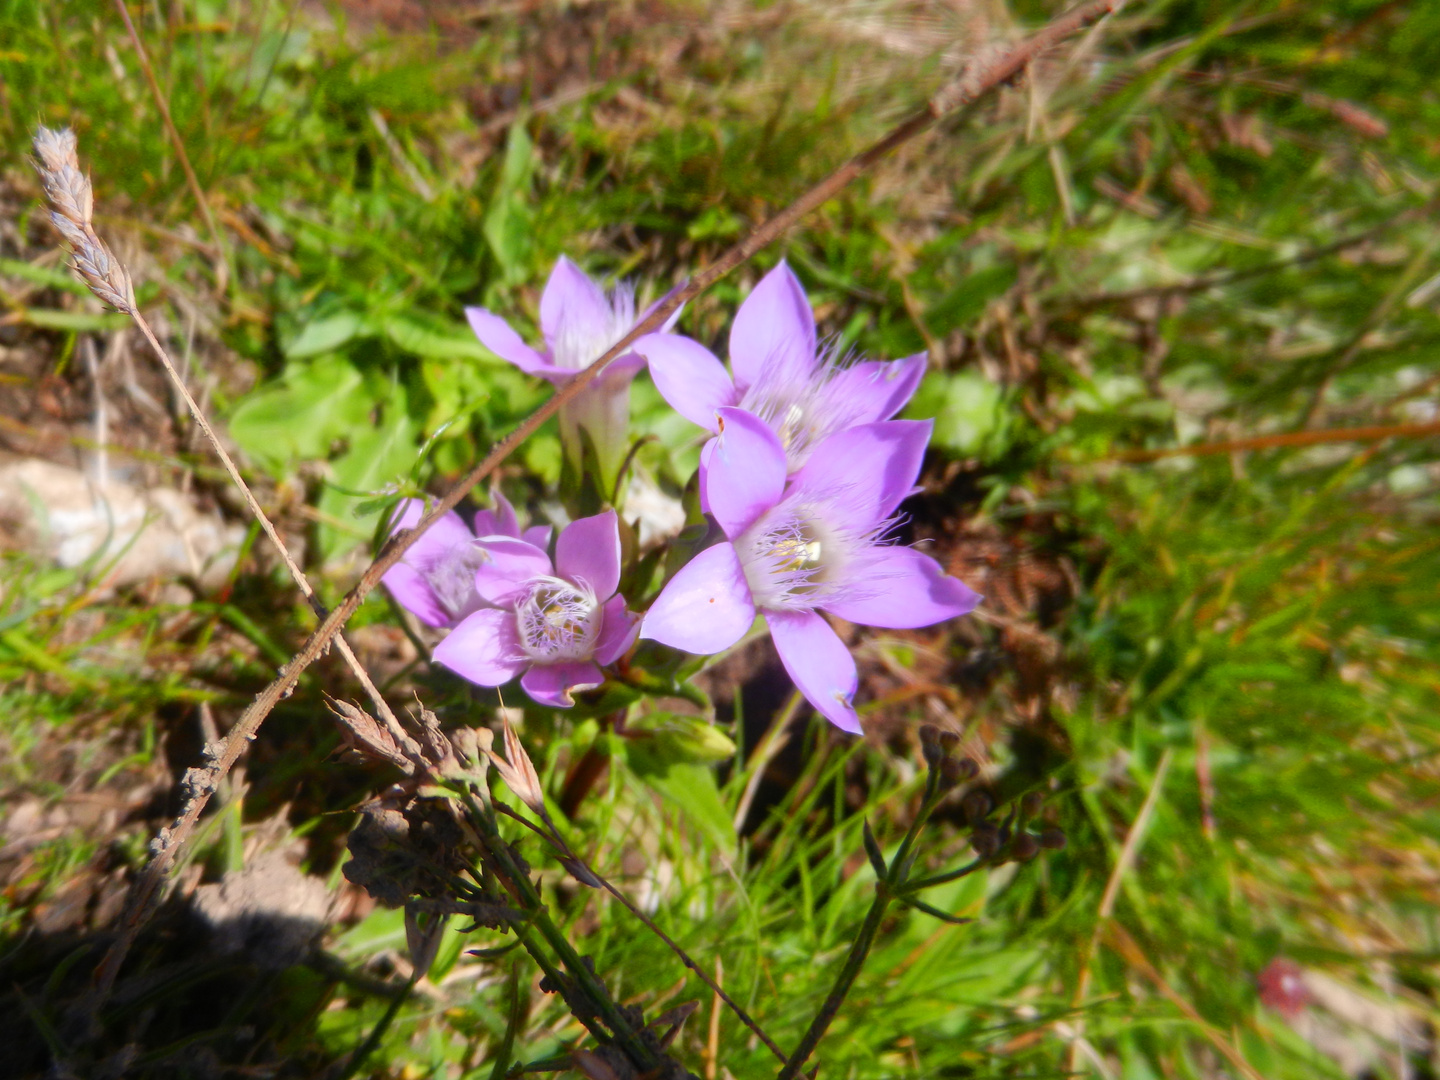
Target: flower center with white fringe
x,y
558,621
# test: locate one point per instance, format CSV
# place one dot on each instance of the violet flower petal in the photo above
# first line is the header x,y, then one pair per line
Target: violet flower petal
x,y
407,580
773,326
670,320
510,565
744,473
706,452
484,648
621,370
865,471
903,589
538,535
704,608
879,389
618,630
818,663
499,337
688,376
573,304
588,552
412,591
438,540
551,684
498,521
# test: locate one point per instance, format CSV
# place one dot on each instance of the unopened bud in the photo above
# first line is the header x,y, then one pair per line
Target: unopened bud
x,y
932,753
929,735
968,769
1030,805
951,772
976,805
1025,847
985,841
1052,839
949,740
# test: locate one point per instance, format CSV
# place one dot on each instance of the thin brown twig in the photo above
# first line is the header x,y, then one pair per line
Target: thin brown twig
x,y
674,947
1204,282
1117,937
72,199
191,180
988,72
1369,433
1123,862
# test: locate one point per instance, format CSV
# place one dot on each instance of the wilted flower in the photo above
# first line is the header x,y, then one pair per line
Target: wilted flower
x,y
814,543
556,624
778,373
579,323
435,579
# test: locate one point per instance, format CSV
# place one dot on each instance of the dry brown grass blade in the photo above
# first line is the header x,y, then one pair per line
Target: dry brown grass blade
x,y
987,72
191,180
1119,938
519,773
1372,433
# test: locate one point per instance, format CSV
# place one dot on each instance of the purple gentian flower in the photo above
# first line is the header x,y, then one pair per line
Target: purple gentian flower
x,y
778,373
556,624
812,543
579,323
435,579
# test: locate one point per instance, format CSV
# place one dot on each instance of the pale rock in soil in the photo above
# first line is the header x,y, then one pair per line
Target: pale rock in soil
x,y
117,533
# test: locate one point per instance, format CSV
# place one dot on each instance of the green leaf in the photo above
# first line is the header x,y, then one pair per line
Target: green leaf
x,y
509,224
930,909
452,943
328,334
75,321
690,786
872,850
47,276
377,455
965,407
968,300
683,738
382,929
434,339
298,417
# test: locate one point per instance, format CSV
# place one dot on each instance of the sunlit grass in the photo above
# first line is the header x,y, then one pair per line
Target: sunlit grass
x,y
1219,225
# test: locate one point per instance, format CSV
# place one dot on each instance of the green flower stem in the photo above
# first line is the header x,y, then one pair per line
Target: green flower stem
x,y
941,879
846,979
539,919
885,890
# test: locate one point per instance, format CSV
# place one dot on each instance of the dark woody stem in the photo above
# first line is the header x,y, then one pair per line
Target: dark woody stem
x,y
597,1002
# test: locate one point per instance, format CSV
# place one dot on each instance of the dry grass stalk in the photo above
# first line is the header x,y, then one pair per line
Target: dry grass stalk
x,y
72,202
191,180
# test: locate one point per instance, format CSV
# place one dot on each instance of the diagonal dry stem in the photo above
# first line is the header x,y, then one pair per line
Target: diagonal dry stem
x,y
72,201
987,72
191,180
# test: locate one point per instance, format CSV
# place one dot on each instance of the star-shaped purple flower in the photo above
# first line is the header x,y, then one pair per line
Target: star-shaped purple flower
x,y
778,373
579,322
435,579
804,546
553,625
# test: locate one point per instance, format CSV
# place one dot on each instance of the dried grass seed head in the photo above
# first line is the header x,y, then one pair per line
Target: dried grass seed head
x,y
72,205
